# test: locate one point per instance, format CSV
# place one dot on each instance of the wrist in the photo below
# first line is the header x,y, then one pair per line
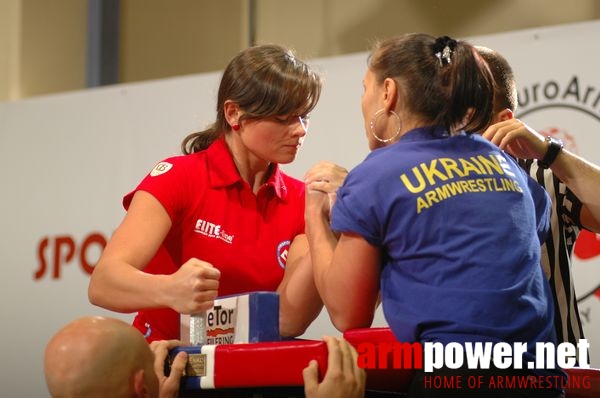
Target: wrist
x,y
554,148
162,292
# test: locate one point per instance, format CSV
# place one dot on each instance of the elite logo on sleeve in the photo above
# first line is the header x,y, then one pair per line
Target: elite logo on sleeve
x,y
160,168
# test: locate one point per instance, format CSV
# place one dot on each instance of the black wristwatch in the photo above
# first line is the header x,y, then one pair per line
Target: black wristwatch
x,y
554,148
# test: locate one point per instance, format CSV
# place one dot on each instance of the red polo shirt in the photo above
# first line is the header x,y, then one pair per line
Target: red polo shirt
x,y
217,218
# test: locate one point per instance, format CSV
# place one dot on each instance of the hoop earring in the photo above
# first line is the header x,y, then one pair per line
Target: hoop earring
x,y
374,121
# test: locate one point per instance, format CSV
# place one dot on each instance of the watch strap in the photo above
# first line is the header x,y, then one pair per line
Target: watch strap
x,y
554,147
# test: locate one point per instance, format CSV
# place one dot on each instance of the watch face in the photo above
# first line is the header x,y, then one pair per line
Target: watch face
x,y
554,140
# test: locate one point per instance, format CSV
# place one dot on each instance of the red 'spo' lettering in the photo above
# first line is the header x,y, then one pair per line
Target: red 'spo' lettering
x,y
64,248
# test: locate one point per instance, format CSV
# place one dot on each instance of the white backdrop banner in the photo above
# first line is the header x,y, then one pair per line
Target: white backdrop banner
x,y
69,158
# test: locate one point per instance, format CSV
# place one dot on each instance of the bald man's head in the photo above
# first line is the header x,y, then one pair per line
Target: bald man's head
x,y
97,356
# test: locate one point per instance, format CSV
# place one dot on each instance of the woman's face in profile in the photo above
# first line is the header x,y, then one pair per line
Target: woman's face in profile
x,y
370,104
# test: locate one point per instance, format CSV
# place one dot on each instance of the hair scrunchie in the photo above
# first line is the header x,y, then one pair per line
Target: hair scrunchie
x,y
443,48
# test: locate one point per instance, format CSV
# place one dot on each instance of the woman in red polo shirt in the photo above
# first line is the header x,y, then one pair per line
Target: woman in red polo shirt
x,y
222,218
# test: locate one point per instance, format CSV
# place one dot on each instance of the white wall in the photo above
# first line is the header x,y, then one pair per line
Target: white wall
x,y
68,159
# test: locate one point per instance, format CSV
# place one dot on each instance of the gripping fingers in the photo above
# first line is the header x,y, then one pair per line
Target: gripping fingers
x,y
310,375
178,366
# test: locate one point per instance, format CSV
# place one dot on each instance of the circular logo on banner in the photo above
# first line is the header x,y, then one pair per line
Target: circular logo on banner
x,y
569,109
587,265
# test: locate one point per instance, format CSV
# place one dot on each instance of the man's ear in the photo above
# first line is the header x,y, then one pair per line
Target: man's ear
x,y
504,114
139,385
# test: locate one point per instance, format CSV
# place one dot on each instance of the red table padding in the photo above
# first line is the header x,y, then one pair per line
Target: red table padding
x,y
254,364
584,383
280,364
267,364
381,379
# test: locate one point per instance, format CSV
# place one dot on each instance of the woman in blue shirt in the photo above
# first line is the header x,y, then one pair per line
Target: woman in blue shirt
x,y
441,222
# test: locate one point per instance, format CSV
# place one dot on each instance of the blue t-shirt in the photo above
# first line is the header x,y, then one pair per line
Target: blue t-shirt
x,y
459,225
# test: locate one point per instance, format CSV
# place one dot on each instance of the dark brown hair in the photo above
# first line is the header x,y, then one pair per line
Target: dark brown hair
x,y
456,91
505,95
265,81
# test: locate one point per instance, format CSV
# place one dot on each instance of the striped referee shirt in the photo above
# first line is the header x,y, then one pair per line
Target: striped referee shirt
x,y
565,226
